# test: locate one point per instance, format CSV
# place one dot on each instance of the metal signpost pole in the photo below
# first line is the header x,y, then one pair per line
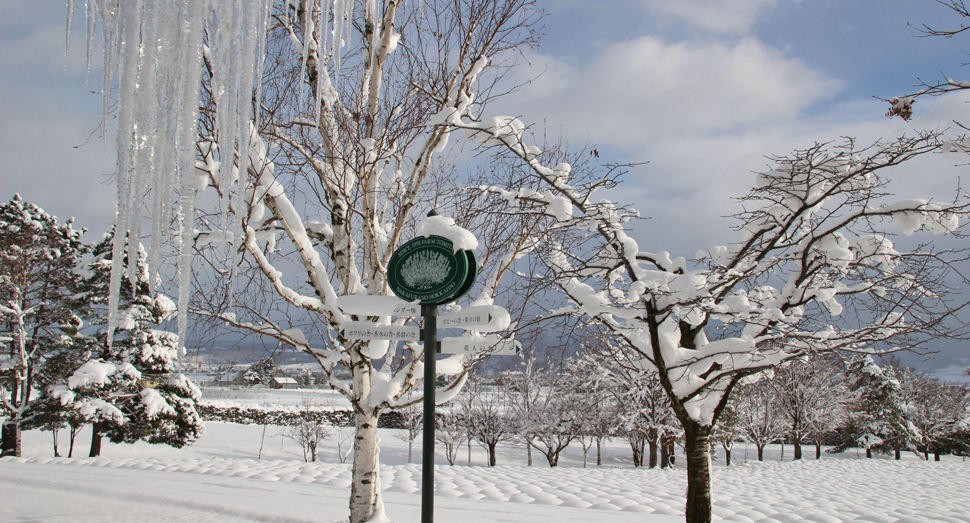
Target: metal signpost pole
x,y
429,313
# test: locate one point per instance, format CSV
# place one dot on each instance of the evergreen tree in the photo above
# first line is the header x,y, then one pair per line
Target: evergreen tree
x,y
130,388
38,257
46,412
879,419
262,372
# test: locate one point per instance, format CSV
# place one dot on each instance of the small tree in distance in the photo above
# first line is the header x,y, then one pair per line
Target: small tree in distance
x,y
308,431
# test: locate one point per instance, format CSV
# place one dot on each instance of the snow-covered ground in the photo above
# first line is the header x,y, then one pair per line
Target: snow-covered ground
x,y
219,479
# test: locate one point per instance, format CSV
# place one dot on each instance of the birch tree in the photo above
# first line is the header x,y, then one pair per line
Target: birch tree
x,y
305,133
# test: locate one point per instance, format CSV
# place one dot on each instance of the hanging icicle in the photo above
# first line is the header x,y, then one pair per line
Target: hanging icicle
x,y
154,50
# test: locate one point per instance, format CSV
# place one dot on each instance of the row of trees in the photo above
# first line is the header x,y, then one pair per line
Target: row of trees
x,y
820,400
63,369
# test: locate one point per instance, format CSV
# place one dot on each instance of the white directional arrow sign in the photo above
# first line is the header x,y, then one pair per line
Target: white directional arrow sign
x,y
488,318
497,347
364,330
377,305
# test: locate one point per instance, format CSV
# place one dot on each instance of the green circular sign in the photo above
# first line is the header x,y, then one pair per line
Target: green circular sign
x,y
429,270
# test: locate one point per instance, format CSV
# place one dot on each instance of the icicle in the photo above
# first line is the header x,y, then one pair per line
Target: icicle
x,y
126,32
91,16
323,55
186,132
342,11
71,6
154,49
250,25
261,50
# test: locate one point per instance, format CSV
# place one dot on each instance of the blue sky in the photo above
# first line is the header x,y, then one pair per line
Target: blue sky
x,y
703,90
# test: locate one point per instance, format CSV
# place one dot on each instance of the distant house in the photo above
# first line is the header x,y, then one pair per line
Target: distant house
x,y
284,382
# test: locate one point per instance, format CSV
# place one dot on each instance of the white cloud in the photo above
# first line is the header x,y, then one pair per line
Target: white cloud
x,y
646,89
688,186
718,16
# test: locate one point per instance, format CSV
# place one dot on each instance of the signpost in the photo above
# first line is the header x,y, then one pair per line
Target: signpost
x,y
428,271
363,330
498,347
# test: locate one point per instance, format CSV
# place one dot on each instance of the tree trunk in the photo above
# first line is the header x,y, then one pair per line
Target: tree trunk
x,y
553,459
74,432
869,453
10,444
599,453
56,453
761,451
365,489
95,440
897,453
528,452
469,443
936,456
818,450
697,442
782,457
652,444
798,448
727,456
491,454
410,447
664,459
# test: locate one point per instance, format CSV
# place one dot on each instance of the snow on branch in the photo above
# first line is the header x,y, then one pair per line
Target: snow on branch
x,y
807,243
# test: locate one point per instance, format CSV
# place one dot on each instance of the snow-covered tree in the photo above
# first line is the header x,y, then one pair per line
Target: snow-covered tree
x,y
489,422
309,431
808,389
936,409
826,398
322,126
878,414
262,372
760,415
638,408
728,429
542,408
451,431
811,245
46,412
556,421
338,118
128,386
589,384
524,387
38,259
413,421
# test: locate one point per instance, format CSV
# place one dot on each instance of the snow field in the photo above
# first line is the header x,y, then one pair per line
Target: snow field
x,y
218,479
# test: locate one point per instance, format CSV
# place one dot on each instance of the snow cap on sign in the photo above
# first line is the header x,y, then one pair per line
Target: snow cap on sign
x,y
461,238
